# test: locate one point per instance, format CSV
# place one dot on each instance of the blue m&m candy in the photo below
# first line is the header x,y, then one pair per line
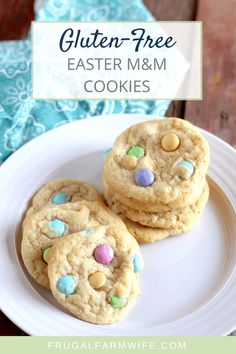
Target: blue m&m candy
x,y
144,177
57,228
137,263
185,169
60,198
67,284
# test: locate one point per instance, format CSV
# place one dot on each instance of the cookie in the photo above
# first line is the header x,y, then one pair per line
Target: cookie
x,y
45,227
180,202
96,277
164,220
158,161
146,234
62,191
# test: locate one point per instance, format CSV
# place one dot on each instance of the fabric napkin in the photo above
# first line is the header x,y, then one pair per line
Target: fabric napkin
x,y
22,118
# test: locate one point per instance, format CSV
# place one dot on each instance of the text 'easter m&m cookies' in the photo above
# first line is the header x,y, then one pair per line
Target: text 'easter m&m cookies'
x,y
155,178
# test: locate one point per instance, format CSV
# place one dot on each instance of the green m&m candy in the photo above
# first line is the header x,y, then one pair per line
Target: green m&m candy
x,y
136,151
118,302
46,254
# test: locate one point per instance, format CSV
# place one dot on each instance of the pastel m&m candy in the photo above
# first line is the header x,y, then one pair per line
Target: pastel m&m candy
x,y
137,263
170,142
129,162
144,177
185,169
97,280
104,254
118,302
67,284
60,198
57,228
46,254
136,151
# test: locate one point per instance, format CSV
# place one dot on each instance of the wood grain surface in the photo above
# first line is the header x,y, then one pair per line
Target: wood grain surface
x,y
169,10
15,18
216,113
172,10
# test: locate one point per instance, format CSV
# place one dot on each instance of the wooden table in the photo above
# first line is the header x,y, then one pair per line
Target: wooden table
x,y
216,113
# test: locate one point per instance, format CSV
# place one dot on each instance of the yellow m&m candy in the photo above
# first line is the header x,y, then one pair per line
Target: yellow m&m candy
x,y
170,142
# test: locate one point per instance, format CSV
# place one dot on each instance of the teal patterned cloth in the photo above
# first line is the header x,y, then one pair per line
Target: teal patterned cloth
x,y
22,118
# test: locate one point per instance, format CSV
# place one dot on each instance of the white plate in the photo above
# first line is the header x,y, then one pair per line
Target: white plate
x,y
189,283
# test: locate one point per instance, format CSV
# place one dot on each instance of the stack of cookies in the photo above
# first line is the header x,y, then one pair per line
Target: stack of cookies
x,y
75,246
155,178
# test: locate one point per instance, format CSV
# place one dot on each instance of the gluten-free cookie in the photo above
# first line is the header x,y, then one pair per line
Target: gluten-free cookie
x,y
158,161
147,234
154,207
62,191
96,276
44,228
164,220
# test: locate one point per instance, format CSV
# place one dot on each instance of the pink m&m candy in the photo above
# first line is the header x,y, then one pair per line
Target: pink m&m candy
x,y
103,254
